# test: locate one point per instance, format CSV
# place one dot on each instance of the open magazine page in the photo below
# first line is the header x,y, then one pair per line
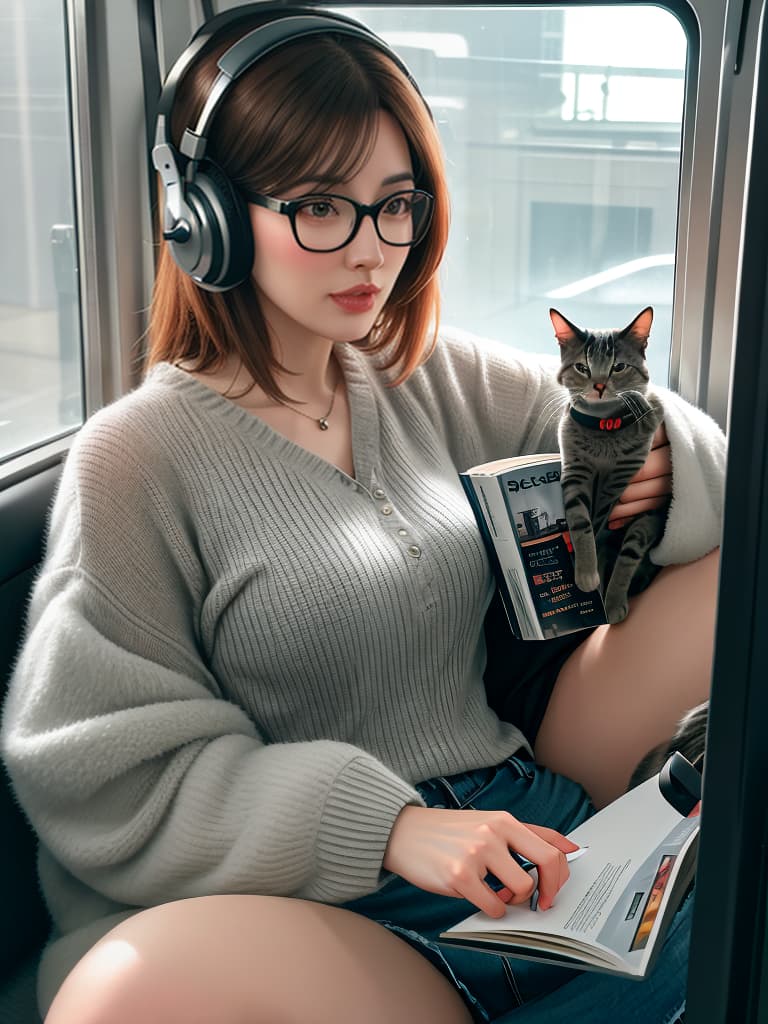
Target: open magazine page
x,y
619,898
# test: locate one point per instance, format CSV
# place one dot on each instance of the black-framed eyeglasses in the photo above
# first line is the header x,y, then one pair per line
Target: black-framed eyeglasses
x,y
326,222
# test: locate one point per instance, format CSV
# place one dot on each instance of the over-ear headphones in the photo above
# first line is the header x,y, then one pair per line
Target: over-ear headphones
x,y
205,219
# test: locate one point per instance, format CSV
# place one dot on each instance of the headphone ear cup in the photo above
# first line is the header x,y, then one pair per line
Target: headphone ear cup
x,y
226,235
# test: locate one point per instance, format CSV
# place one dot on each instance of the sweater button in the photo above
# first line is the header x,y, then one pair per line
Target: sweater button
x,y
386,510
414,550
379,493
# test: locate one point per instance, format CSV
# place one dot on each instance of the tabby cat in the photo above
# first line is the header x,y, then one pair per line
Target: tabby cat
x,y
605,437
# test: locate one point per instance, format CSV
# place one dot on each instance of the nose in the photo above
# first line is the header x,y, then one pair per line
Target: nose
x,y
599,388
365,249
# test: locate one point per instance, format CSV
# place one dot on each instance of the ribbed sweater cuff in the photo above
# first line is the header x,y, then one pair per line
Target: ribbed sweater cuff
x,y
354,829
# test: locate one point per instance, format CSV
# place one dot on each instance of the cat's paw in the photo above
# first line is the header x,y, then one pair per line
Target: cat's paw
x,y
616,612
587,581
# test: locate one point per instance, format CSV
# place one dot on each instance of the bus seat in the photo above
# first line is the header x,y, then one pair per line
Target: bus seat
x,y
25,919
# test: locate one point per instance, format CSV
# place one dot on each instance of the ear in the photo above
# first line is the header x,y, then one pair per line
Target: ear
x,y
565,331
640,328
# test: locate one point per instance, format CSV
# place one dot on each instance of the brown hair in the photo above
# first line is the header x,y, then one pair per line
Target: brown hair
x,y
306,111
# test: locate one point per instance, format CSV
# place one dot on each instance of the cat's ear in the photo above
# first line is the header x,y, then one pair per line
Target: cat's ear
x,y
565,331
640,328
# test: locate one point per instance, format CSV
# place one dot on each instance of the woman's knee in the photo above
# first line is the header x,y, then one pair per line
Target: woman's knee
x,y
142,970
114,984
254,958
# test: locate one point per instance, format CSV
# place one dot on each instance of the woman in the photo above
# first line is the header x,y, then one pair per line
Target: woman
x,y
254,663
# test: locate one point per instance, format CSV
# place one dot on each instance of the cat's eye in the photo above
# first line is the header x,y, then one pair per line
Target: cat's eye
x,y
618,367
581,368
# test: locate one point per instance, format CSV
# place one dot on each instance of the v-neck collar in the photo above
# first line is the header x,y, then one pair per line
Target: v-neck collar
x,y
359,377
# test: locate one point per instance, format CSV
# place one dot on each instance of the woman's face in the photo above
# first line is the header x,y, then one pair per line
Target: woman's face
x,y
302,293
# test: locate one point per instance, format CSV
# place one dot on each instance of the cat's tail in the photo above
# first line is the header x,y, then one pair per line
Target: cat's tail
x,y
689,739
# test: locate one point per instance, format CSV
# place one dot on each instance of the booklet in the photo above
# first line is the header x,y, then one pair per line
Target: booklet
x,y
518,504
614,911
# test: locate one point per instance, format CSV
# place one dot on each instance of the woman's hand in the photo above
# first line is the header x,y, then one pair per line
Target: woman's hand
x,y
650,487
451,852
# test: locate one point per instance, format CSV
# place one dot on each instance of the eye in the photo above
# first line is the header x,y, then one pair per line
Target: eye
x,y
619,367
319,208
398,206
581,368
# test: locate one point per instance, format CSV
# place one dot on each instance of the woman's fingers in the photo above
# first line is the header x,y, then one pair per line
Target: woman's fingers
x,y
517,883
622,513
538,845
479,893
660,437
649,488
654,487
452,851
657,463
554,837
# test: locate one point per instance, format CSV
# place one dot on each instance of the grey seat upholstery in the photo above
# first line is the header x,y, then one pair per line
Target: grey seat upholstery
x,y
25,920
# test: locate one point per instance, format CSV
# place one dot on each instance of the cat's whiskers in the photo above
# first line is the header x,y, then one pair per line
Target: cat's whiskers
x,y
551,412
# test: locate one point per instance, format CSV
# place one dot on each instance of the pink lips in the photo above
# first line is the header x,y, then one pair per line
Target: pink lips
x,y
359,299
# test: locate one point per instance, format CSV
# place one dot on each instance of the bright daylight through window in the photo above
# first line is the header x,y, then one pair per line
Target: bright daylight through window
x,y
40,349
561,128
562,131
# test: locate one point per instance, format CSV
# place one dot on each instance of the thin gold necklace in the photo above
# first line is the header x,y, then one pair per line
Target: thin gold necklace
x,y
321,421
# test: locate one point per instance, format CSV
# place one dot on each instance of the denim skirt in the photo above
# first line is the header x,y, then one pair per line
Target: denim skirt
x,y
489,984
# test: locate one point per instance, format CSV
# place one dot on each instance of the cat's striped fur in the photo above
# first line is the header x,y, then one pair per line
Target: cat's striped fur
x,y
602,448
690,739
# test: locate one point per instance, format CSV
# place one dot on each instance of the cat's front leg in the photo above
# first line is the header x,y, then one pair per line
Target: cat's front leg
x,y
577,499
612,485
640,536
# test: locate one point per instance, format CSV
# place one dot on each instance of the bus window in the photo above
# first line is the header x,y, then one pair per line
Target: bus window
x,y
562,131
40,349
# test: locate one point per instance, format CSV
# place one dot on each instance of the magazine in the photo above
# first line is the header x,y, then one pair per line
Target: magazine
x,y
518,504
612,914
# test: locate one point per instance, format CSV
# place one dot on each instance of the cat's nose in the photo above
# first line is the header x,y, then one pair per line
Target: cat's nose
x,y
599,388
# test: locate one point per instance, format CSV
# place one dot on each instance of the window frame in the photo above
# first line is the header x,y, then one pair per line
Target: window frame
x,y
114,228
728,979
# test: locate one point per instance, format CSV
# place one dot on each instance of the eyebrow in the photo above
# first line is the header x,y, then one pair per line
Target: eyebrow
x,y
393,179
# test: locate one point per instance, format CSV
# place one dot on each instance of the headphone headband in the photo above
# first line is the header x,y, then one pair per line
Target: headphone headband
x,y
257,44
201,243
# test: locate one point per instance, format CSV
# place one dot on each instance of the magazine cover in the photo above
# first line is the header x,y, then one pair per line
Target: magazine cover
x,y
535,501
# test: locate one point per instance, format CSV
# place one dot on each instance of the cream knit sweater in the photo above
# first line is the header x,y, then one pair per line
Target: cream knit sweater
x,y
239,660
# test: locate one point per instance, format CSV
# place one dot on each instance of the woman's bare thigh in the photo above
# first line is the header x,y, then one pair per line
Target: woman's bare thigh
x,y
252,959
624,689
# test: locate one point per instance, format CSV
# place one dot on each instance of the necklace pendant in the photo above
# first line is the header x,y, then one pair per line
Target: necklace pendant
x,y
322,423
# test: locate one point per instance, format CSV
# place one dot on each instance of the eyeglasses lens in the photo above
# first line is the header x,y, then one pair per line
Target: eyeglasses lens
x,y
327,222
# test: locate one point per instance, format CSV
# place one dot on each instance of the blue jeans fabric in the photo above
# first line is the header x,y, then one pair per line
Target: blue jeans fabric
x,y
508,989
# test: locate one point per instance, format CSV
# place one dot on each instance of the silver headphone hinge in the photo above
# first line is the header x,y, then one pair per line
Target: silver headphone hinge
x,y
180,232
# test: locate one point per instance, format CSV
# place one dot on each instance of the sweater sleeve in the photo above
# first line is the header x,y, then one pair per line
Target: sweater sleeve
x,y
698,452
140,779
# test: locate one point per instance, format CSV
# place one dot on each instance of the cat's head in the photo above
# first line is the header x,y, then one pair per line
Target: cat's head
x,y
598,367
